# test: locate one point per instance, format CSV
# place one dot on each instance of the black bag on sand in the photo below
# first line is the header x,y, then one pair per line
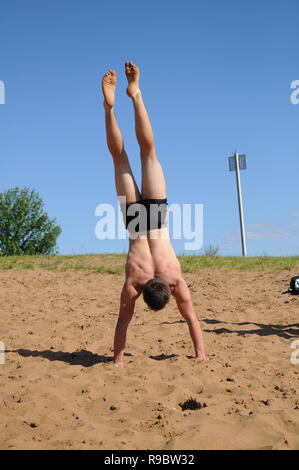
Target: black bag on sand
x,y
294,285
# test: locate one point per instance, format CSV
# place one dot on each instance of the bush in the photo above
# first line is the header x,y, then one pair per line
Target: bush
x,y
25,228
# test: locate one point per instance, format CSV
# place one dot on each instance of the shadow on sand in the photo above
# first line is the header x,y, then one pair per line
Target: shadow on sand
x,y
83,358
162,357
283,331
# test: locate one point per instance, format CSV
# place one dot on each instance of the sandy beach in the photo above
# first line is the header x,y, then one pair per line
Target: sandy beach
x,y
60,390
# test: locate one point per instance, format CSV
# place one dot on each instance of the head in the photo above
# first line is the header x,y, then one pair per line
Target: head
x,y
156,293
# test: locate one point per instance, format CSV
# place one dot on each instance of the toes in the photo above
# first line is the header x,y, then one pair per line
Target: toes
x,y
131,68
110,77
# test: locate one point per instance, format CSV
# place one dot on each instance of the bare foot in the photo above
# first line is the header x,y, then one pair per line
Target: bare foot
x,y
132,73
108,86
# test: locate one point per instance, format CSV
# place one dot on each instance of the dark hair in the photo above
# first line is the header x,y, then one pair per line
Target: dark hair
x,y
156,293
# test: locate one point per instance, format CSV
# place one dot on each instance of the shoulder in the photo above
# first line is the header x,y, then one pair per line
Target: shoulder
x,y
129,292
181,291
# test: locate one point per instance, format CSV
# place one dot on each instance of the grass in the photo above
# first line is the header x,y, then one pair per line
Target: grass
x,y
261,263
115,263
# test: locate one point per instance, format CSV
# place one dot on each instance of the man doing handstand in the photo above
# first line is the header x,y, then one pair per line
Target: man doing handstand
x,y
152,267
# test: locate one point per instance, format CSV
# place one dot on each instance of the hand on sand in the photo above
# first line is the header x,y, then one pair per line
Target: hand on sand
x,y
118,364
201,358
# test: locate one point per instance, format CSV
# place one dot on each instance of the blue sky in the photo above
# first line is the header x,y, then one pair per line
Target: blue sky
x,y
215,77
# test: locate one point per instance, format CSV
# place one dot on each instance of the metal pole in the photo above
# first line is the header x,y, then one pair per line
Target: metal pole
x,y
240,205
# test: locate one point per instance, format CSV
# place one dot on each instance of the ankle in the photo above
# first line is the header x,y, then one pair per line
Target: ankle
x,y
137,95
107,106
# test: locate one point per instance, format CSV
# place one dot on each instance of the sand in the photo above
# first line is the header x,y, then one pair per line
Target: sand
x,y
60,390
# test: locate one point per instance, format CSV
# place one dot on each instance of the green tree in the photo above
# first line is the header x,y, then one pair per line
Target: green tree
x,y
25,228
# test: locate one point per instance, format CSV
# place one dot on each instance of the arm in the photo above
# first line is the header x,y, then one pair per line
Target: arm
x,y
184,303
126,310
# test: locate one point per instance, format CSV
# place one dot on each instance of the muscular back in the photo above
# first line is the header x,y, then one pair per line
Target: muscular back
x,y
150,258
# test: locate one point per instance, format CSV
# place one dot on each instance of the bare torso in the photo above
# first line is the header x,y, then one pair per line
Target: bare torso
x,y
150,258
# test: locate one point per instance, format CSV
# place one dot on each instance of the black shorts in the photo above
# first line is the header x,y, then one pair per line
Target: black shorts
x,y
150,213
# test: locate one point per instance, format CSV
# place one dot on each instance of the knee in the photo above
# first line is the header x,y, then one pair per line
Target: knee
x,y
148,153
120,157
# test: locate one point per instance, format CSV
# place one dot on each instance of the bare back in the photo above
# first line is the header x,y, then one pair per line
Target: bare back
x,y
152,256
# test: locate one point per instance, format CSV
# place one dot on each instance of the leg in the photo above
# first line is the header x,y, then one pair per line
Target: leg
x,y
124,179
153,181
